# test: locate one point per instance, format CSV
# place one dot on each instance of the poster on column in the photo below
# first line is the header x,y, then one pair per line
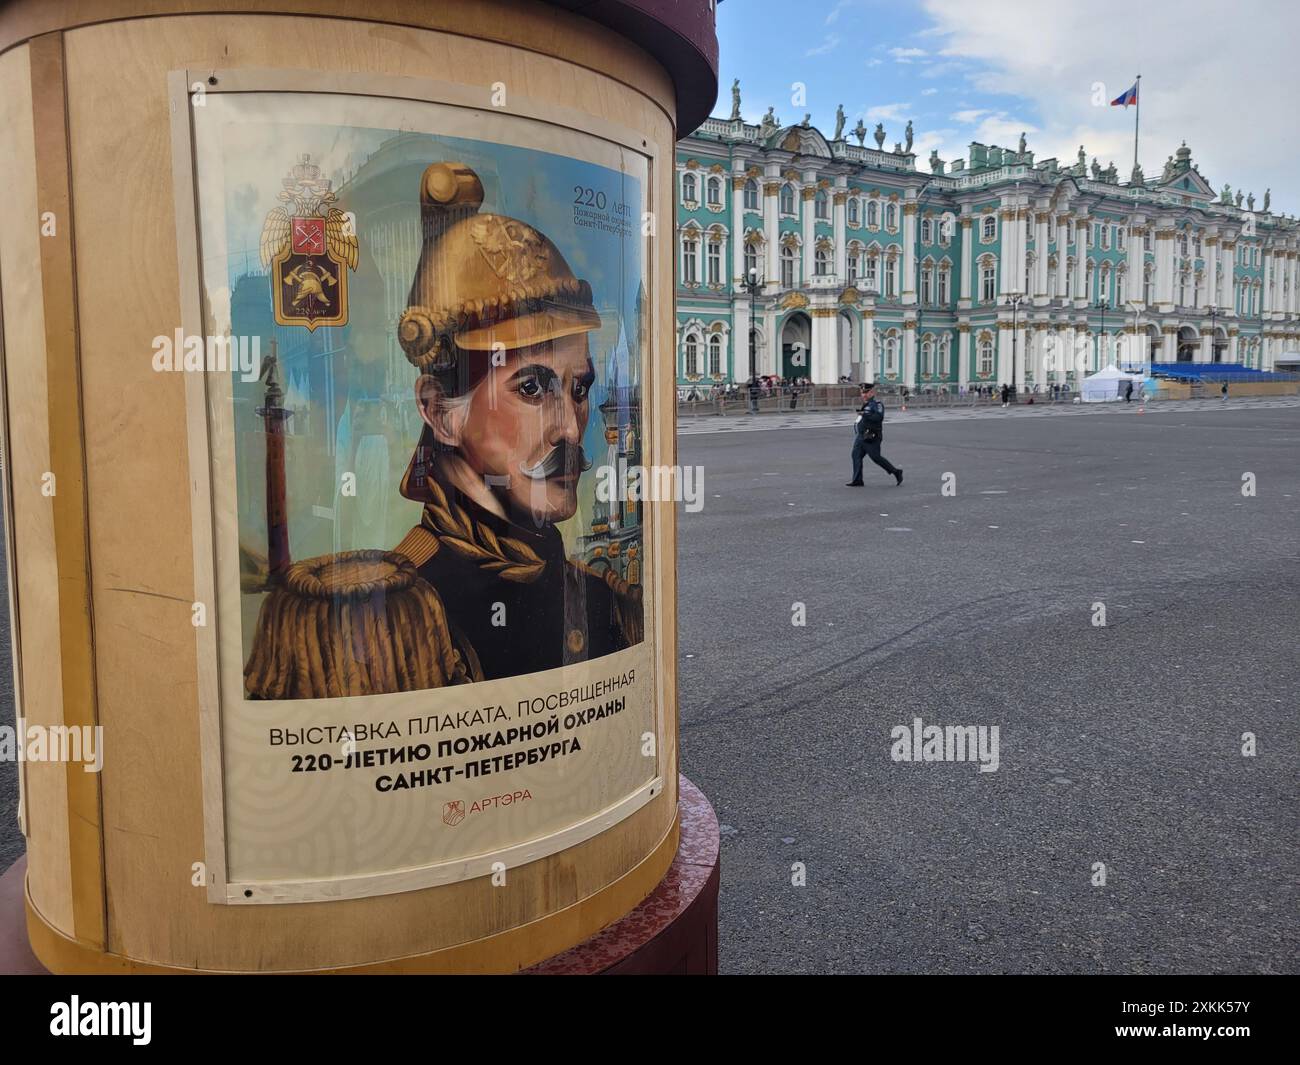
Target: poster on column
x,y
431,628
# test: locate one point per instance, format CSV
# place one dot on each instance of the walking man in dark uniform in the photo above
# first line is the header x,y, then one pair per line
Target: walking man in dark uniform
x,y
869,430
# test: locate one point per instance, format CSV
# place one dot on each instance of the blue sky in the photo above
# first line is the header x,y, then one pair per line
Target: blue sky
x,y
962,70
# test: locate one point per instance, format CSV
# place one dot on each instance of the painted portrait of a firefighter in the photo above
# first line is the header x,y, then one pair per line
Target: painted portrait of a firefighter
x,y
497,331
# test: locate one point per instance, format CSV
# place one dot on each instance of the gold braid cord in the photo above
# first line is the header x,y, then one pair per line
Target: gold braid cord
x,y
510,559
352,623
628,609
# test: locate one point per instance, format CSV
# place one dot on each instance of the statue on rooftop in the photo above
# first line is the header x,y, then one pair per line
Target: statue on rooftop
x,y
839,122
908,133
769,124
860,131
1268,196
1226,195
735,100
880,135
1023,146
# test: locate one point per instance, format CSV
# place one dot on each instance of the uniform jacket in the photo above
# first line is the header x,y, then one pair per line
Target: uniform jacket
x,y
870,424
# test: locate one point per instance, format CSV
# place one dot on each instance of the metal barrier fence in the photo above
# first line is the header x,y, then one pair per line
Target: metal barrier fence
x,y
845,397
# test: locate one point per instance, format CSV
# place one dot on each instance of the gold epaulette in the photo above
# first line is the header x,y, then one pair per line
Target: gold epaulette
x,y
419,545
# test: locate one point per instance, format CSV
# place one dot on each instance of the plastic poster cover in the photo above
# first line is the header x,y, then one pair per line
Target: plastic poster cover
x,y
432,584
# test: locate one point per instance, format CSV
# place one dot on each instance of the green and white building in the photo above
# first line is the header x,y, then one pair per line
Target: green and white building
x,y
991,269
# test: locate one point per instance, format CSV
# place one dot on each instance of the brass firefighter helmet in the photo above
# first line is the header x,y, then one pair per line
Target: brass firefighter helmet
x,y
484,279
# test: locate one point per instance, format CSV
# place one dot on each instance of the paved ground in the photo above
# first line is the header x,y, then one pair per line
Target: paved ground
x,y
1119,745
707,421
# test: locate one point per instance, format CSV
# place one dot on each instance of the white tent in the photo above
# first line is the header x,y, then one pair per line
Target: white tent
x,y
1109,385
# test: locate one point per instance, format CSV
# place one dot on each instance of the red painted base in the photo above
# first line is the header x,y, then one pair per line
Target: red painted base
x,y
675,930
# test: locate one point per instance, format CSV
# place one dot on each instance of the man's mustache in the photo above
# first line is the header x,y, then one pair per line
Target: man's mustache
x,y
569,458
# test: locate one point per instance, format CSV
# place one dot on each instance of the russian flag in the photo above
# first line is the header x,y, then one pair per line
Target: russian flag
x,y
1130,97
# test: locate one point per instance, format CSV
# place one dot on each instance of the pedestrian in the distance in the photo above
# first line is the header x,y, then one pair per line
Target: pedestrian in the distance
x,y
753,395
1006,394
1128,392
1224,390
868,432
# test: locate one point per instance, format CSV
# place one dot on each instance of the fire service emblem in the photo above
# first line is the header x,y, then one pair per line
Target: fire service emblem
x,y
310,246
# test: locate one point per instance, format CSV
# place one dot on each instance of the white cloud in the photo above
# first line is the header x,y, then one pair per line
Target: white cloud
x,y
874,62
829,45
928,92
974,114
906,55
888,113
837,10
1222,90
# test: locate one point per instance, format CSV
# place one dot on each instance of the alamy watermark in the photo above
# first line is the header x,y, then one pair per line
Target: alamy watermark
x,y
53,743
920,742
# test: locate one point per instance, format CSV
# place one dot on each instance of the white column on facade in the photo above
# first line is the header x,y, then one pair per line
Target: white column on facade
x,y
908,286
869,344
1267,268
909,353
1062,257
965,353
841,196
809,227
967,260
1080,293
1165,266
772,230
1136,258
1227,269
1206,353
1041,295
825,346
737,226
1212,271
1232,346
1014,229
740,338
1293,275
1004,353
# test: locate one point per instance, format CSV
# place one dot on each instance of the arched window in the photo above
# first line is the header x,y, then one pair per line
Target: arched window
x,y
989,227
853,211
822,261
1183,279
891,277
1196,289
751,195
714,191
715,260
690,258
988,279
853,263
1090,281
692,354
944,369
1105,283
927,231
985,363
891,354
1148,282
715,355
689,188
945,284
927,355
819,202
891,216
927,283
787,199
873,214
872,278
788,258
751,257
1120,238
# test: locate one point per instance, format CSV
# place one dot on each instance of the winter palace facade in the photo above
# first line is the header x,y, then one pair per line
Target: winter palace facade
x,y
846,261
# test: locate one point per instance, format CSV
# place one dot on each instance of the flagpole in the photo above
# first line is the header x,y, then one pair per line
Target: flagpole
x,y
1137,118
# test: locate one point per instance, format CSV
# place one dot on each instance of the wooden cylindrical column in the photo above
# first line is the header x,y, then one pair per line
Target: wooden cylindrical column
x,y
131,509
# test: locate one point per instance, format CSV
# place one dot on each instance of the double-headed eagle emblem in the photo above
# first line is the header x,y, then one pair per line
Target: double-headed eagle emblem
x,y
309,246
